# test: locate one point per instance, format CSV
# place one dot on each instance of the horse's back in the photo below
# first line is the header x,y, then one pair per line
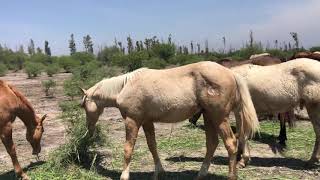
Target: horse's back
x,y
172,94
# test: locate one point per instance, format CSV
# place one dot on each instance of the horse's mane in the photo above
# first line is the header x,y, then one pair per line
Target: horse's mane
x,y
259,55
21,97
114,85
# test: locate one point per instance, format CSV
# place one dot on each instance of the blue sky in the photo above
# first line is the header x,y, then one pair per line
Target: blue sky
x,y
186,20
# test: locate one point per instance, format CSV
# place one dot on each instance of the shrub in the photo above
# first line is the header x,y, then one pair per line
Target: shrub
x,y
52,69
33,69
3,69
154,63
164,51
315,48
49,86
77,149
68,63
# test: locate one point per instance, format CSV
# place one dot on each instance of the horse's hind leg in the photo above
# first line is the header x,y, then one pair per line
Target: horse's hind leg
x,y
230,143
151,141
212,142
243,154
6,138
283,132
132,129
314,114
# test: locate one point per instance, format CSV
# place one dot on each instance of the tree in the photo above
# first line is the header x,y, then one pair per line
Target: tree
x,y
294,36
169,39
224,44
47,49
251,39
206,47
130,45
88,44
21,50
72,45
191,46
31,48
39,50
198,47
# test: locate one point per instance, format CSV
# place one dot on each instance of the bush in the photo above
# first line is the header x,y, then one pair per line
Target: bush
x,y
154,63
164,51
52,69
68,63
49,86
78,148
315,48
3,69
33,69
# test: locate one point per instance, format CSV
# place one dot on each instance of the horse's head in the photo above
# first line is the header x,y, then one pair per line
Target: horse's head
x,y
34,135
92,111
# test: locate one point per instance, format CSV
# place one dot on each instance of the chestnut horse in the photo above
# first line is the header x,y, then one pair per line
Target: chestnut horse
x,y
14,104
307,54
262,60
146,96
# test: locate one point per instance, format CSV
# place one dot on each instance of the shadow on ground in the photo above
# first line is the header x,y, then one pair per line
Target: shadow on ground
x,y
291,163
181,175
11,174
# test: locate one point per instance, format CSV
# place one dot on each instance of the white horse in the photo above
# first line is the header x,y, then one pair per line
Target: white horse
x,y
284,86
146,96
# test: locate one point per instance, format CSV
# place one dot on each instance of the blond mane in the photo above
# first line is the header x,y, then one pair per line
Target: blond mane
x,y
112,86
259,55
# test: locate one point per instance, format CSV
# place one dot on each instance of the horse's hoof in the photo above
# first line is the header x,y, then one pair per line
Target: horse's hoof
x,y
232,177
242,163
24,176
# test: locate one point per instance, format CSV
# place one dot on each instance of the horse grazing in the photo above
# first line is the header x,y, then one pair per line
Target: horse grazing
x,y
146,96
14,104
297,81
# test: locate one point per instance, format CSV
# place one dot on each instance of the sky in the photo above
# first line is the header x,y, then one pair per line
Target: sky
x,y
186,20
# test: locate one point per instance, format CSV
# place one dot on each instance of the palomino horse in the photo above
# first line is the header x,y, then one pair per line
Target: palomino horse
x,y
263,60
13,104
146,96
295,82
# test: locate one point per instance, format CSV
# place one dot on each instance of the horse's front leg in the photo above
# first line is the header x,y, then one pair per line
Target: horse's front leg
x,y
151,141
6,138
132,129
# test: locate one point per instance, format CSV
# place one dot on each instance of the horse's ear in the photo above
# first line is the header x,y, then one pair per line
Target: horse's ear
x,y
43,117
83,90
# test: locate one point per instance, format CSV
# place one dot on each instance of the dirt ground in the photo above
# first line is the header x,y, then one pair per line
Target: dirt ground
x,y
55,135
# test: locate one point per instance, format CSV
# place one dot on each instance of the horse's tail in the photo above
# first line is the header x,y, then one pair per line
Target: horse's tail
x,y
247,121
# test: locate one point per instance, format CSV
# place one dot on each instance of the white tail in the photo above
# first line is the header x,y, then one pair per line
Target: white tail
x,y
248,122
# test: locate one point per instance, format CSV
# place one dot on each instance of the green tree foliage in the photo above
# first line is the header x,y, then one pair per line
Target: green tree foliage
x,y
107,54
31,48
47,49
52,69
68,63
315,48
72,45
83,57
33,69
3,69
48,87
88,44
164,51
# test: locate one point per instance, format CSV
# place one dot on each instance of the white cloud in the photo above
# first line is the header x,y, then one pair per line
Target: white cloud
x,y
303,18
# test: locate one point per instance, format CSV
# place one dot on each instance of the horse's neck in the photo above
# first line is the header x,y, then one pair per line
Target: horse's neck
x,y
27,115
106,91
